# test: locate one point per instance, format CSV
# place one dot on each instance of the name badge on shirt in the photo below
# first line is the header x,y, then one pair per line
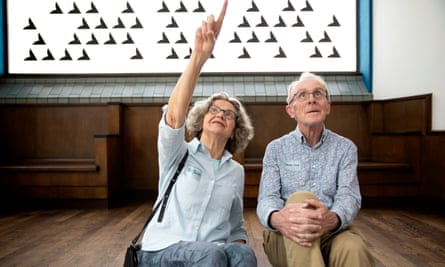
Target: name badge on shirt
x,y
194,172
292,165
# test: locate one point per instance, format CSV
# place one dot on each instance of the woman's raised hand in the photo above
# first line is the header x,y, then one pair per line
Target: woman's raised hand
x,y
208,32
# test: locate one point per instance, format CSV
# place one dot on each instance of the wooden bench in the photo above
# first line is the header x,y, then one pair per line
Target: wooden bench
x,y
50,165
92,179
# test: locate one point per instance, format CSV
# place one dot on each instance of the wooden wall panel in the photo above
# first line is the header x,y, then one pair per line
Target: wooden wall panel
x,y
50,131
409,114
384,131
139,137
270,121
433,167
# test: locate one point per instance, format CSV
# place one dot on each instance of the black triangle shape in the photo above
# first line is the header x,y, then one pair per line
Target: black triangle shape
x,y
102,24
235,39
263,22
280,23
31,56
299,23
57,10
110,40
253,8
75,40
254,39
272,38
244,24
317,53
129,40
30,25
93,40
84,25
326,38
49,55
245,54
84,55
308,38
39,41
335,53
334,22
289,7
181,8
281,53
173,24
129,9
308,7
173,54
164,39
137,25
164,8
200,8
75,9
182,39
119,25
189,55
67,56
137,55
93,9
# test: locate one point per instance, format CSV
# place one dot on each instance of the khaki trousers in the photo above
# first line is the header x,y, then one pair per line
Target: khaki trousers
x,y
345,248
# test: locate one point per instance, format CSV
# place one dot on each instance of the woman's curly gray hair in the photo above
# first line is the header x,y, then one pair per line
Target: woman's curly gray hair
x,y
243,131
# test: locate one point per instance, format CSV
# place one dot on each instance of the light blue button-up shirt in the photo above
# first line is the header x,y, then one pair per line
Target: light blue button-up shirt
x,y
328,170
206,203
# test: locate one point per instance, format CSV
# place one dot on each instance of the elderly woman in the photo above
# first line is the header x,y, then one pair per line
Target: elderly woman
x,y
203,221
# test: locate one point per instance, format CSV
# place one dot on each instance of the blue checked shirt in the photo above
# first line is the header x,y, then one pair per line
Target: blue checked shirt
x,y
206,203
328,170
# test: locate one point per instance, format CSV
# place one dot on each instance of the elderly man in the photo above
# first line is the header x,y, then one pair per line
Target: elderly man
x,y
309,192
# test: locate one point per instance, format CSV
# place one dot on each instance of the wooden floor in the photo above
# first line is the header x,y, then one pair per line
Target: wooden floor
x,y
99,237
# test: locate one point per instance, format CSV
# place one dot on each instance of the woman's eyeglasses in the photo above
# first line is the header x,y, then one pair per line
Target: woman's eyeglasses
x,y
227,113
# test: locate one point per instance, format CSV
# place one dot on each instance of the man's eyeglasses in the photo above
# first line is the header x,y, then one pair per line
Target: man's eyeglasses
x,y
303,96
227,113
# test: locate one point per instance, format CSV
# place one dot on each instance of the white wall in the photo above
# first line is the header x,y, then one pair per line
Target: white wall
x,y
409,51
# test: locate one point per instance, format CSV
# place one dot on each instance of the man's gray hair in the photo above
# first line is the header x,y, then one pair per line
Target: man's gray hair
x,y
304,77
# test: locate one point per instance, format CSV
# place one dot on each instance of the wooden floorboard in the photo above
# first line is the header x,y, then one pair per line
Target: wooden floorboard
x,y
82,237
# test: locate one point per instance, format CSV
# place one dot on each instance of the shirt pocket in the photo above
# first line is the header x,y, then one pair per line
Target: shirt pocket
x,y
292,171
190,181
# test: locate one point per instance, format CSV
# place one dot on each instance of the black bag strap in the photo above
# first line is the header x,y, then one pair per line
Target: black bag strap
x,y
163,200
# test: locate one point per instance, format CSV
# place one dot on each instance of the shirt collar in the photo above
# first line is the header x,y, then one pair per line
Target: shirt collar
x,y
302,139
197,146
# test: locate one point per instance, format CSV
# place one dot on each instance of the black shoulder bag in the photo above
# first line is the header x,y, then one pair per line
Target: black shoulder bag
x,y
131,257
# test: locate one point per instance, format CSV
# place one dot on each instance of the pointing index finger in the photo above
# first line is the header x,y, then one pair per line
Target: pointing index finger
x,y
221,16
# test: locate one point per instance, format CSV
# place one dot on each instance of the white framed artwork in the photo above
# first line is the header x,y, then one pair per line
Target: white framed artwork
x,y
157,36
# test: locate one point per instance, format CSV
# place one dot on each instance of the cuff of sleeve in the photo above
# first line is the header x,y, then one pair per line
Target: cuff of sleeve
x,y
269,226
339,225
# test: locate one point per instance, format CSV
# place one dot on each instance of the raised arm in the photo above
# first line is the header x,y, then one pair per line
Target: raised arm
x,y
205,40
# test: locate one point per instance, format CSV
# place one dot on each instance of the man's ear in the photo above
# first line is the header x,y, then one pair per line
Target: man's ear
x,y
290,111
328,108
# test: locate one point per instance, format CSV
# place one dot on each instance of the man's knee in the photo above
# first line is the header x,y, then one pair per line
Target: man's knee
x,y
301,196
